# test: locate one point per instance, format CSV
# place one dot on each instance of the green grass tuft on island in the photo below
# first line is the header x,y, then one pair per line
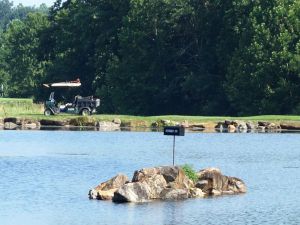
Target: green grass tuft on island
x,y
190,172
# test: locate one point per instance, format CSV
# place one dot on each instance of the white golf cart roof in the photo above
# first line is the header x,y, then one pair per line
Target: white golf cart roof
x,y
64,84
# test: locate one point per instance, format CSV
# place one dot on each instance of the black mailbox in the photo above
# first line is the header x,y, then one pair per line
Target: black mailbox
x,y
174,130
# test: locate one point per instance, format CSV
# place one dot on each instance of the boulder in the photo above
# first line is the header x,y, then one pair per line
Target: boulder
x,y
117,121
286,126
108,124
231,128
156,183
10,126
251,126
261,128
242,126
30,125
196,193
220,127
52,123
197,126
102,195
212,182
174,194
201,184
273,126
173,175
263,123
143,174
112,183
105,190
14,120
133,192
185,124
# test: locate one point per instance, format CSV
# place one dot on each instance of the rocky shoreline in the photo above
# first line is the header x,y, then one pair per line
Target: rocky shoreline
x,y
231,126
167,183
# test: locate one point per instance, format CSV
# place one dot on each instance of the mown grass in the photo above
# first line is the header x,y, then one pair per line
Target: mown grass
x,y
25,108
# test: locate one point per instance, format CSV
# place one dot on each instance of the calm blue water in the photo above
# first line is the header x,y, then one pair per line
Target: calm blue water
x,y
45,177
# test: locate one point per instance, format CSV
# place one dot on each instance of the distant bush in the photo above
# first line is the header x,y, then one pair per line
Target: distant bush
x,y
190,172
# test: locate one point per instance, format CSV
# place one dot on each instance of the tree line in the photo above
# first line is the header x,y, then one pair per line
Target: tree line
x,y
149,57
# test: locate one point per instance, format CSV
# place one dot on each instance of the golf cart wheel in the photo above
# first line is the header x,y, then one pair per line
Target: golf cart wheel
x,y
48,112
85,112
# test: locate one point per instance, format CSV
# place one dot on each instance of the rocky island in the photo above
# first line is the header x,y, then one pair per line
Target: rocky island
x,y
167,183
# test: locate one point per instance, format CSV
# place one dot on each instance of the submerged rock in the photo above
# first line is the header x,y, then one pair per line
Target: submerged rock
x,y
166,183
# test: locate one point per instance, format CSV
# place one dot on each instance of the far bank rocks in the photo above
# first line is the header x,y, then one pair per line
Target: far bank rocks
x,y
166,183
245,126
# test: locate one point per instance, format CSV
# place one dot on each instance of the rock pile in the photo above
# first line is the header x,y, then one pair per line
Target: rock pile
x,y
166,183
242,126
12,123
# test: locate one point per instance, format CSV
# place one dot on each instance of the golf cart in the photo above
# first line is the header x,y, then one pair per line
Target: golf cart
x,y
80,105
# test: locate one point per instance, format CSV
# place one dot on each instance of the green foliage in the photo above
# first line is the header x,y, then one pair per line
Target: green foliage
x,y
21,43
190,172
151,57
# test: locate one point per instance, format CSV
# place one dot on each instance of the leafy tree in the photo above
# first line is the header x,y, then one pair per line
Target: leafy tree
x,y
21,45
261,79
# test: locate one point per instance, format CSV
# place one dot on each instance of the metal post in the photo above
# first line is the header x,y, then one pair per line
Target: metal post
x,y
173,150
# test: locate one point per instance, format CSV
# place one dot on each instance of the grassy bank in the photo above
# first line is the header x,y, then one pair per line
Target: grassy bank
x,y
25,108
19,107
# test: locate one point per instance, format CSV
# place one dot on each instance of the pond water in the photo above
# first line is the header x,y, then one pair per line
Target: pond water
x,y
45,177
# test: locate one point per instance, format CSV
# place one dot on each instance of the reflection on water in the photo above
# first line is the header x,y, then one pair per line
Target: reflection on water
x,y
149,129
46,175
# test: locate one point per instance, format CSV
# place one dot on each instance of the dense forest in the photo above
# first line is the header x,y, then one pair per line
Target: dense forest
x,y
149,57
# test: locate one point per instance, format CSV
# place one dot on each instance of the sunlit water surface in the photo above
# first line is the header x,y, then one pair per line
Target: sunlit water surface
x,y
45,177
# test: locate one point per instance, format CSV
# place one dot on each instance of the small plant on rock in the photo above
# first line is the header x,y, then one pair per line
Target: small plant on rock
x,y
190,172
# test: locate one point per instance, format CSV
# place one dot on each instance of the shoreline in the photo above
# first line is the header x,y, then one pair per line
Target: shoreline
x,y
156,123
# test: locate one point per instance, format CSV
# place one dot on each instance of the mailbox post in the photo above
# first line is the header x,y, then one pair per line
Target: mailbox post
x,y
174,131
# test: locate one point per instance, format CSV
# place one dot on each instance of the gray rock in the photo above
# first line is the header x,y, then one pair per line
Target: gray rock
x,y
157,183
211,181
10,126
263,123
105,190
30,125
231,128
174,194
133,192
13,120
102,195
251,126
201,184
273,126
196,193
52,123
112,183
117,121
185,124
242,126
108,124
141,175
286,126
